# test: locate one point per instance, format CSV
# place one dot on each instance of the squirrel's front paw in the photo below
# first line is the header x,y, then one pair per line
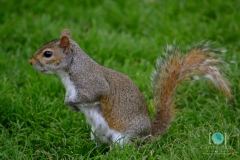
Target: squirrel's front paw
x,y
72,106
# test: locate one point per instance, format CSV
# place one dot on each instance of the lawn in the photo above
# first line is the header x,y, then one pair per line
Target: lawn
x,y
127,36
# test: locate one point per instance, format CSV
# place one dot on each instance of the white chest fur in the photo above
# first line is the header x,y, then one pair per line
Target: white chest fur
x,y
71,92
100,128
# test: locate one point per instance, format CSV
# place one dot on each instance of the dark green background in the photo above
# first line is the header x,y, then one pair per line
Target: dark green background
x,y
127,36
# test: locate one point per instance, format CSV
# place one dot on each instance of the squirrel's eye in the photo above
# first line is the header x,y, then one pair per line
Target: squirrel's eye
x,y
47,54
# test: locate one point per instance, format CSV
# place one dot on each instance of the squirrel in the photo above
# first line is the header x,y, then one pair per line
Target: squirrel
x,y
112,103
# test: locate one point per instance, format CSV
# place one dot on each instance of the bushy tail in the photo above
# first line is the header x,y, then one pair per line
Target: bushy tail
x,y
176,68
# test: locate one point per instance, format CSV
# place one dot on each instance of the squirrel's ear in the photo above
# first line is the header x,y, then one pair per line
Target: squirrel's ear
x,y
66,33
64,38
65,42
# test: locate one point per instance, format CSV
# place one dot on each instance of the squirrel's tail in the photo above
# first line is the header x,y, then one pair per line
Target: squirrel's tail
x,y
176,68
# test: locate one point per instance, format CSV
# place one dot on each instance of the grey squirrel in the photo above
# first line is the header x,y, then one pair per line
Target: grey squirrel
x,y
113,105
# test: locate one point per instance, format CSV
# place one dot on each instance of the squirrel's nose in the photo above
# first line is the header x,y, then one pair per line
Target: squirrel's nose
x,y
30,61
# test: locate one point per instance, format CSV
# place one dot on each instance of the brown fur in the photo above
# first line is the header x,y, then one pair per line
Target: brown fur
x,y
123,104
113,122
172,72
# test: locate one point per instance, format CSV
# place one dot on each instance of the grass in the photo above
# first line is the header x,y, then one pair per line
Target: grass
x,y
128,37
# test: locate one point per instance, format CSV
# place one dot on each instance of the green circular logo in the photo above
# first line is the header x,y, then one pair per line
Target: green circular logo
x,y
217,138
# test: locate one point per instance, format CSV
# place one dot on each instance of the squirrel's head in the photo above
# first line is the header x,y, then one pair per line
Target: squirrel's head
x,y
53,56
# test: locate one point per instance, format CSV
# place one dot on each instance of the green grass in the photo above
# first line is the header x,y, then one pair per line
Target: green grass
x,y
126,36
